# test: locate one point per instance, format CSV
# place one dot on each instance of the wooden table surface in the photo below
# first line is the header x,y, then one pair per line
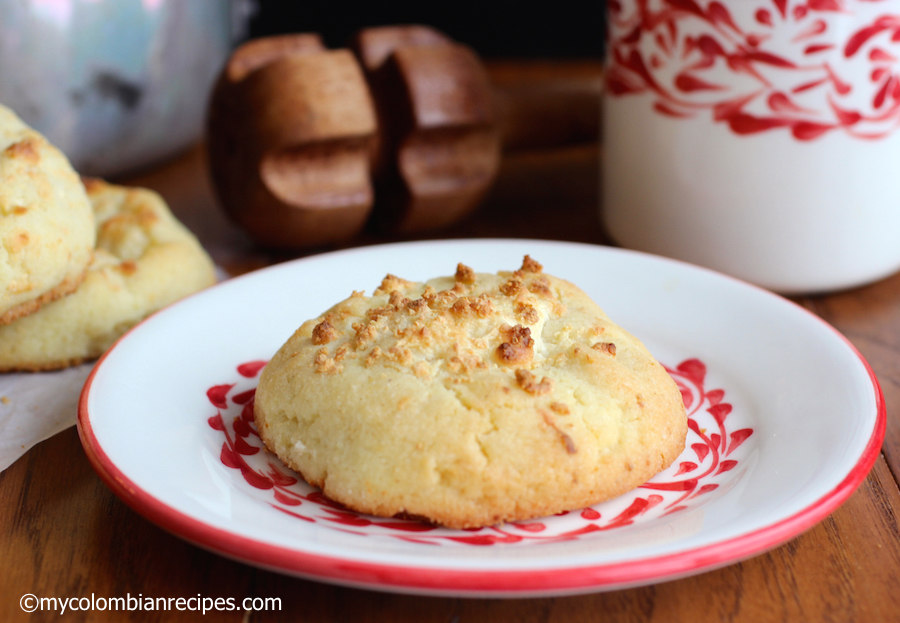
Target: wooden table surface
x,y
63,533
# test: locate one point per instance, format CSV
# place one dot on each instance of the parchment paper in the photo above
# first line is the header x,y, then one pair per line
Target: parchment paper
x,y
35,406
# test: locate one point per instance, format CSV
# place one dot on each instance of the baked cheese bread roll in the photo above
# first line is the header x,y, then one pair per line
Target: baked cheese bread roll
x,y
46,222
145,259
469,400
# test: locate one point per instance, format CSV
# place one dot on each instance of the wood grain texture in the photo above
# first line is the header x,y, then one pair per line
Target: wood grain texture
x,y
70,536
869,317
63,533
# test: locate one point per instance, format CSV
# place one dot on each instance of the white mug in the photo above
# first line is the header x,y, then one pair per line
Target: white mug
x,y
760,138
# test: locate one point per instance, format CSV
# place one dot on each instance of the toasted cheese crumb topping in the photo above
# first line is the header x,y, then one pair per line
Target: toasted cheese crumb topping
x,y
518,347
464,274
324,332
528,381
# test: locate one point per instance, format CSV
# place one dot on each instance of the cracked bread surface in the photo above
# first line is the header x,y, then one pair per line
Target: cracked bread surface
x,y
469,400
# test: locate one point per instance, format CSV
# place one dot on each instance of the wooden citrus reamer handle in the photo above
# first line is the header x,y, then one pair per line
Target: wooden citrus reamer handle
x,y
298,158
439,142
291,126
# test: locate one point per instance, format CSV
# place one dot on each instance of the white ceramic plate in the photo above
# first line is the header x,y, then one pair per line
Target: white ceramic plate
x,y
787,419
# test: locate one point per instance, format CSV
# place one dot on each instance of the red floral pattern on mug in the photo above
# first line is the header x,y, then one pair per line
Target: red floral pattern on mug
x,y
806,66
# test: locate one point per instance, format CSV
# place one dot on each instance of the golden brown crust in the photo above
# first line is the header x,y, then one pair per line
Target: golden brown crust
x,y
26,149
65,288
51,366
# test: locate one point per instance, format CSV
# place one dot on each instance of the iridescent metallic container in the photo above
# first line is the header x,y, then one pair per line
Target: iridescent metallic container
x,y
116,84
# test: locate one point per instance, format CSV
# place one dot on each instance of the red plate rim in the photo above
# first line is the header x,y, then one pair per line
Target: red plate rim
x,y
488,583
